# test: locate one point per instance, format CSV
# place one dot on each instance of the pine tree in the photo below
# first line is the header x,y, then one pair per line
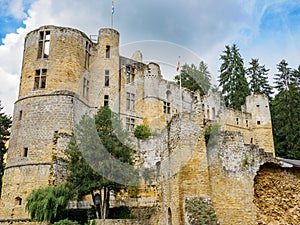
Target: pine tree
x,y
258,76
232,78
5,123
195,79
285,109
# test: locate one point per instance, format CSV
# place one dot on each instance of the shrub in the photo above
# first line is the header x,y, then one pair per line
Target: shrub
x,y
142,132
66,222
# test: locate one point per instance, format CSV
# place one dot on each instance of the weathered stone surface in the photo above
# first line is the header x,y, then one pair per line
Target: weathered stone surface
x,y
277,195
180,163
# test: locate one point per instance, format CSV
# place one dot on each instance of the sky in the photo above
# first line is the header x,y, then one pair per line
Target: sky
x,y
196,30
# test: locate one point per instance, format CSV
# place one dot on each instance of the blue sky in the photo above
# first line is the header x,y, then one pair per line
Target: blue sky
x,y
264,29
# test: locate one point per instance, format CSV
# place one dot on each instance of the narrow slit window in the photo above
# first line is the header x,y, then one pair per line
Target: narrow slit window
x,y
247,123
87,55
20,114
213,113
107,51
106,78
106,100
86,84
237,121
25,152
44,45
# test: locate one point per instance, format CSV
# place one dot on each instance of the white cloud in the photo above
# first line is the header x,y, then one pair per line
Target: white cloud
x,y
204,26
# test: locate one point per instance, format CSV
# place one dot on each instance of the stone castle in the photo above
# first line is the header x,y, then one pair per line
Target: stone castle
x,y
65,75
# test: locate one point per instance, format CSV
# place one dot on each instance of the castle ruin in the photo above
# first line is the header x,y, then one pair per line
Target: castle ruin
x,y
65,75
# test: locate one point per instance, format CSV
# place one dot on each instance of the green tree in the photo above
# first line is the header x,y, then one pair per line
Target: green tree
x,y
142,132
5,123
258,76
232,78
48,204
195,79
99,164
285,110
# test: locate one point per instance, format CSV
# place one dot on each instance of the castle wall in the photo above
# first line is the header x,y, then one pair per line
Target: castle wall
x,y
232,168
75,83
182,168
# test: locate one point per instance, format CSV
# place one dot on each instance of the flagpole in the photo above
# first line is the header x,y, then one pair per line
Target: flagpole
x,y
112,14
180,86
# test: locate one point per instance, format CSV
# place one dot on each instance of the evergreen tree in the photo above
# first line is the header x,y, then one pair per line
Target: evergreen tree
x,y
259,79
285,109
232,78
98,164
195,79
5,123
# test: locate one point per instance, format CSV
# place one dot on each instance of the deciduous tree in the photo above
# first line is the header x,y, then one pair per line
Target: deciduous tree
x,y
195,78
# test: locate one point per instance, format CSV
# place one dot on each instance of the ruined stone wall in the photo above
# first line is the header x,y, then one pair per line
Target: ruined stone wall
x,y
276,192
232,168
183,171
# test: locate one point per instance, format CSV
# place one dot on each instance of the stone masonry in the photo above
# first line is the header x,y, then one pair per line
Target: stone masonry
x,y
66,75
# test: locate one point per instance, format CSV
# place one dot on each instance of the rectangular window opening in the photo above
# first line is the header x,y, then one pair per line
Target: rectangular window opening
x,y
237,121
106,78
20,114
44,45
258,122
25,152
130,101
213,113
40,79
167,107
86,84
107,51
130,124
87,57
247,123
130,74
106,100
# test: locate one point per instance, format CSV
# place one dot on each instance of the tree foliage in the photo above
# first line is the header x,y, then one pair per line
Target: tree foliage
x,y
5,123
195,78
48,204
258,76
285,110
142,132
232,78
94,162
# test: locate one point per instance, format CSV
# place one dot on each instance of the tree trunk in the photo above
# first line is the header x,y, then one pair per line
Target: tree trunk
x,y
104,207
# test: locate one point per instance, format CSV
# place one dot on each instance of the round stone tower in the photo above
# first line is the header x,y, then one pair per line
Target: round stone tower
x,y
53,94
